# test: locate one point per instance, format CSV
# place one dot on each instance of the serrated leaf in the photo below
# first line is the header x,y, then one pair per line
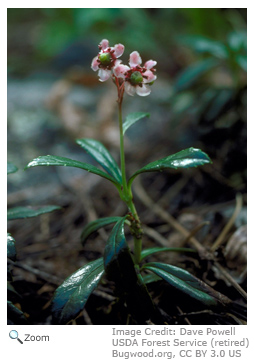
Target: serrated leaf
x,y
97,150
133,118
70,298
11,168
116,243
190,75
95,225
148,252
186,158
28,212
48,160
187,283
11,247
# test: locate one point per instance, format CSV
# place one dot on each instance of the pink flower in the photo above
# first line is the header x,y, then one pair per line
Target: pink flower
x,y
106,59
136,77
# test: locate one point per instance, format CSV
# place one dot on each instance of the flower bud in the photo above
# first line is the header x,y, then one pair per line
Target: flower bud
x,y
105,58
136,78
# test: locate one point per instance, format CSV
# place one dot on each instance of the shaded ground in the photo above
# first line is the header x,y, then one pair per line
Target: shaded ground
x,y
45,116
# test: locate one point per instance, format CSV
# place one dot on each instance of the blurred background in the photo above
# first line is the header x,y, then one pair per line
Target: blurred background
x,y
198,100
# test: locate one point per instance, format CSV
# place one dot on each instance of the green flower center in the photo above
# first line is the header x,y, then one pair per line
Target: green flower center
x,y
136,78
105,58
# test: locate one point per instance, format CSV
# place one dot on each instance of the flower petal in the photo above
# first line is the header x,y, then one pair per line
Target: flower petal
x,y
119,49
117,62
149,76
143,91
104,74
150,64
120,70
104,44
131,90
95,64
135,59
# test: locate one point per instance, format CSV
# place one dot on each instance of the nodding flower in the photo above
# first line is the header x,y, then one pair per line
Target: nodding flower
x,y
107,59
137,78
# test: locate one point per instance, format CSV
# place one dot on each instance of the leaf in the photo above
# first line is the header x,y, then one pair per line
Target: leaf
x,y
242,61
237,41
218,103
102,156
47,160
190,75
15,315
120,268
147,252
151,277
186,158
116,243
95,225
70,298
28,212
11,168
133,118
11,248
187,283
202,44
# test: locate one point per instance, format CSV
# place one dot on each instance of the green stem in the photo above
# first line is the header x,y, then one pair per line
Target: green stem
x,y
126,194
120,117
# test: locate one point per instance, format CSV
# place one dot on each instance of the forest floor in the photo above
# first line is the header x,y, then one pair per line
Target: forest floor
x,y
203,208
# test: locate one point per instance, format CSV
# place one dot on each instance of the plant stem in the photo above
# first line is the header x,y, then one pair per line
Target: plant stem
x,y
120,117
126,193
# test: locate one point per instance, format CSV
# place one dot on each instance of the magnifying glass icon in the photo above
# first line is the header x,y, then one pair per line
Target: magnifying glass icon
x,y
14,334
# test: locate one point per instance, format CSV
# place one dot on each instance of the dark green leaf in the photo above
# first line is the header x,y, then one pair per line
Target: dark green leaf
x,y
15,316
66,162
242,61
11,248
11,290
70,298
202,44
150,251
190,75
28,212
95,225
11,168
151,277
186,158
185,282
116,243
237,41
218,103
133,118
120,268
102,156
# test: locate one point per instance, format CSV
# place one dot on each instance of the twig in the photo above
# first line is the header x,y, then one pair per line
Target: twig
x,y
152,233
155,208
205,254
56,280
221,238
195,230
87,318
41,274
181,313
230,279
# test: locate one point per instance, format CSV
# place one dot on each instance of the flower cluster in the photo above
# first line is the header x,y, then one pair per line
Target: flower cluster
x,y
136,78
